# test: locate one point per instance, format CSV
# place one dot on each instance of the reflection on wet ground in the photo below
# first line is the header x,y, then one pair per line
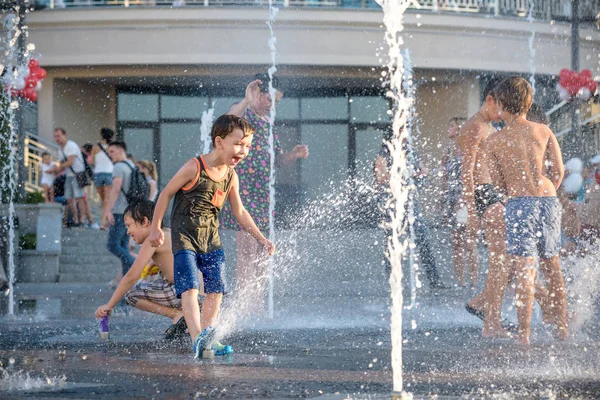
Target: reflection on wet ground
x,y
64,358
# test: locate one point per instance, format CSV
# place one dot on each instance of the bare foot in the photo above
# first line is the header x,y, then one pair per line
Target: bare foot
x,y
523,338
492,333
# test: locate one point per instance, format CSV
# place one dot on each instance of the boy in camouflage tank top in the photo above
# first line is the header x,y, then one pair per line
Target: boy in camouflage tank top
x,y
200,188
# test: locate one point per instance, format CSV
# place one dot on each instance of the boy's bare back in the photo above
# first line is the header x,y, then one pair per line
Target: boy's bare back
x,y
525,159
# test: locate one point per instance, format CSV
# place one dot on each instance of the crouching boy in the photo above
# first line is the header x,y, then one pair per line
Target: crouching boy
x,y
157,295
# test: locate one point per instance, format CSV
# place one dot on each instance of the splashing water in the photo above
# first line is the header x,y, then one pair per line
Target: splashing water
x,y
531,45
205,126
19,381
273,94
13,75
411,123
399,173
583,280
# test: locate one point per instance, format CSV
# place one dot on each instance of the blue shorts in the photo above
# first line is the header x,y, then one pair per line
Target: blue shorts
x,y
187,263
103,179
533,226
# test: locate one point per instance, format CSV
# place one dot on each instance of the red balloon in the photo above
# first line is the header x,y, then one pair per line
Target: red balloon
x,y
564,74
31,81
41,73
33,64
30,94
586,73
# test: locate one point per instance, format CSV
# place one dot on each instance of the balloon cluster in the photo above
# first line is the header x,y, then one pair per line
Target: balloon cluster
x,y
573,84
27,82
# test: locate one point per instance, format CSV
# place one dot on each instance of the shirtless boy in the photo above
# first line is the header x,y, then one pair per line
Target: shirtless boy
x,y
484,203
525,161
156,295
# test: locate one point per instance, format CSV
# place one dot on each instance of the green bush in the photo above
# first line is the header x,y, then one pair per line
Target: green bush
x,y
28,241
34,198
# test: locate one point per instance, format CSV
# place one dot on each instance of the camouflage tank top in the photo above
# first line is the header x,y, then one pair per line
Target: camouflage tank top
x,y
194,218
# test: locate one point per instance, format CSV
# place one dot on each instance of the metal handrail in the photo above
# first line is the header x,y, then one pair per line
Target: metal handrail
x,y
35,146
543,9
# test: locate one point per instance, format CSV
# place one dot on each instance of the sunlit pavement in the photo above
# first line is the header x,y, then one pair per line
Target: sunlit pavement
x,y
63,358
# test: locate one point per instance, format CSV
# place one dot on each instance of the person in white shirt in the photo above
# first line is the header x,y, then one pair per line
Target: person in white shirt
x,y
48,177
71,161
103,165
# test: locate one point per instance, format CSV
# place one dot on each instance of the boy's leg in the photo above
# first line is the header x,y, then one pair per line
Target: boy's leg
x,y
187,284
210,308
212,266
525,273
557,295
191,312
495,284
157,296
51,193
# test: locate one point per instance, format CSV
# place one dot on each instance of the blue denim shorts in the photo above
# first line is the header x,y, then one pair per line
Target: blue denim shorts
x,y
188,263
533,226
103,179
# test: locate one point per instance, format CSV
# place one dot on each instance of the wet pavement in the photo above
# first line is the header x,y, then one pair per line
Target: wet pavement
x,y
63,358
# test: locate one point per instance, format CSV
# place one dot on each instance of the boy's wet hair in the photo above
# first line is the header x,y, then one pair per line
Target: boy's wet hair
x,y
107,134
537,115
515,94
264,79
119,144
140,210
490,85
226,124
44,154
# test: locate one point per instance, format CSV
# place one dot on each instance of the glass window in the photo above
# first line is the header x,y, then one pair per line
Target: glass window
x,y
140,142
288,108
324,108
182,106
368,143
327,167
223,104
137,107
369,109
178,143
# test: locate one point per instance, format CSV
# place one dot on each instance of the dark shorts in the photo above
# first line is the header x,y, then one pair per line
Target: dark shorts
x,y
533,226
486,195
187,265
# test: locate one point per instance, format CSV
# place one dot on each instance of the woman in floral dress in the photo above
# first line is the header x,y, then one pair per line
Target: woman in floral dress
x,y
254,172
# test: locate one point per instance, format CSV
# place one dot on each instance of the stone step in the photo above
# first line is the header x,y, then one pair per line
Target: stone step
x,y
83,277
112,263
94,260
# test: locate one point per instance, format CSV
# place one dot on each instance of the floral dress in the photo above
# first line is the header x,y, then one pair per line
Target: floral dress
x,y
253,173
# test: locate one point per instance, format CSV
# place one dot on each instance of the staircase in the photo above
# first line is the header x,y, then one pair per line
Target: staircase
x,y
84,257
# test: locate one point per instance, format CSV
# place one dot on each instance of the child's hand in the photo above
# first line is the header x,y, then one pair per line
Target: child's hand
x,y
268,246
252,92
103,311
157,237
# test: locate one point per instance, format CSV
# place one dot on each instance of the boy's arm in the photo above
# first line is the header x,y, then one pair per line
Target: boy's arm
x,y
130,278
556,168
186,175
243,216
469,144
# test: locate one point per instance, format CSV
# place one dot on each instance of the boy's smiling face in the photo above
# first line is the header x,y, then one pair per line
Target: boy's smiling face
x,y
234,147
139,232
